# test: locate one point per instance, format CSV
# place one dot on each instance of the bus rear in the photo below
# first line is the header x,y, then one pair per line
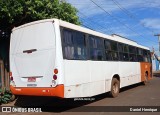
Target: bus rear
x,y
33,68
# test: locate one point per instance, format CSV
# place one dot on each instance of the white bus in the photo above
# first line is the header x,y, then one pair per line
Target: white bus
x,y
56,58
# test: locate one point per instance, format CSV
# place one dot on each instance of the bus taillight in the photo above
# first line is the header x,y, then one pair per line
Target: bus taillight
x,y
54,77
10,74
55,71
54,83
11,77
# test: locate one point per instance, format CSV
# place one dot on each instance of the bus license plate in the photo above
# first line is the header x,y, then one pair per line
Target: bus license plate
x,y
31,79
31,85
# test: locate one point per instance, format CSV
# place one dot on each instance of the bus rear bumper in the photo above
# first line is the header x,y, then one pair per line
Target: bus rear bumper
x,y
57,91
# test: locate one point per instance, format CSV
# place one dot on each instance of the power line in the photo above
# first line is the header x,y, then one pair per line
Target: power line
x,y
104,28
89,25
121,23
89,22
130,15
123,9
118,19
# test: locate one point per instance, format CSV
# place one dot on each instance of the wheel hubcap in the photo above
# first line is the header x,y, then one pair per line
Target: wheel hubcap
x,y
115,88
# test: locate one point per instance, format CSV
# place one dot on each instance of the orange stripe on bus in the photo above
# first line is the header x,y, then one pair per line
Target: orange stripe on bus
x,y
145,67
57,91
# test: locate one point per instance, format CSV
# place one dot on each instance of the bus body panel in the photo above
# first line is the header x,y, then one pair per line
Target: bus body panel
x,y
57,91
129,73
97,79
38,64
58,54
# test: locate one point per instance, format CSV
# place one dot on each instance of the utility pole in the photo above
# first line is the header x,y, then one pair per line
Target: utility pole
x,y
158,41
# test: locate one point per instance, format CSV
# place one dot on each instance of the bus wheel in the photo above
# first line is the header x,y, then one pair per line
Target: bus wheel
x,y
145,79
115,86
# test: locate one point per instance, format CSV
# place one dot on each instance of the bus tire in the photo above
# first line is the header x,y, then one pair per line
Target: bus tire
x,y
13,97
115,87
145,79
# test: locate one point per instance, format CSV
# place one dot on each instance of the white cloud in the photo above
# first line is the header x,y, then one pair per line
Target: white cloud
x,y
86,7
90,9
153,23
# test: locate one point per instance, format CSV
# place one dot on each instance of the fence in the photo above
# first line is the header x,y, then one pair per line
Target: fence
x,y
4,76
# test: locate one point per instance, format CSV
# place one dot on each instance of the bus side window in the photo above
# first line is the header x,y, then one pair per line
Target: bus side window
x,y
96,54
80,46
111,50
139,55
132,57
67,43
125,48
124,57
132,54
69,52
123,52
108,55
107,45
115,56
74,45
146,56
96,48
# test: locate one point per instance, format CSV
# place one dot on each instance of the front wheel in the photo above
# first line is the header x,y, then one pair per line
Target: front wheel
x,y
115,87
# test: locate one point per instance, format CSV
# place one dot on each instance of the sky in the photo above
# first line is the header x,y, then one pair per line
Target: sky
x,y
138,20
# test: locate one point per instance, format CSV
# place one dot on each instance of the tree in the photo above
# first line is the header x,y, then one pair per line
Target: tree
x,y
17,12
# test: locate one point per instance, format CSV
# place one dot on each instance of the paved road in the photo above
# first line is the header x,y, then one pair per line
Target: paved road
x,y
135,95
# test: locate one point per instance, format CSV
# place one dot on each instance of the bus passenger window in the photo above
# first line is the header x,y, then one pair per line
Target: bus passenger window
x,y
69,52
114,56
146,56
74,45
67,39
114,46
125,48
100,55
107,45
132,57
96,48
132,50
108,55
80,46
96,54
140,58
80,53
111,55
120,47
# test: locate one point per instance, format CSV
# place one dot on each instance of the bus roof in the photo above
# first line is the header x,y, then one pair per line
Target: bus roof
x,y
113,37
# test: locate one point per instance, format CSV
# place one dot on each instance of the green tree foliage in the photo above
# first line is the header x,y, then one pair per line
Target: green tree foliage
x,y
6,96
17,12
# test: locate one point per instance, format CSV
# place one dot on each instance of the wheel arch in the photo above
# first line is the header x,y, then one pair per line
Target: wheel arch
x,y
116,76
146,73
115,85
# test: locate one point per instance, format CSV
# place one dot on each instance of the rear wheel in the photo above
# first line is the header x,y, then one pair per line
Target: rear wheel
x,y
145,79
13,97
115,86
